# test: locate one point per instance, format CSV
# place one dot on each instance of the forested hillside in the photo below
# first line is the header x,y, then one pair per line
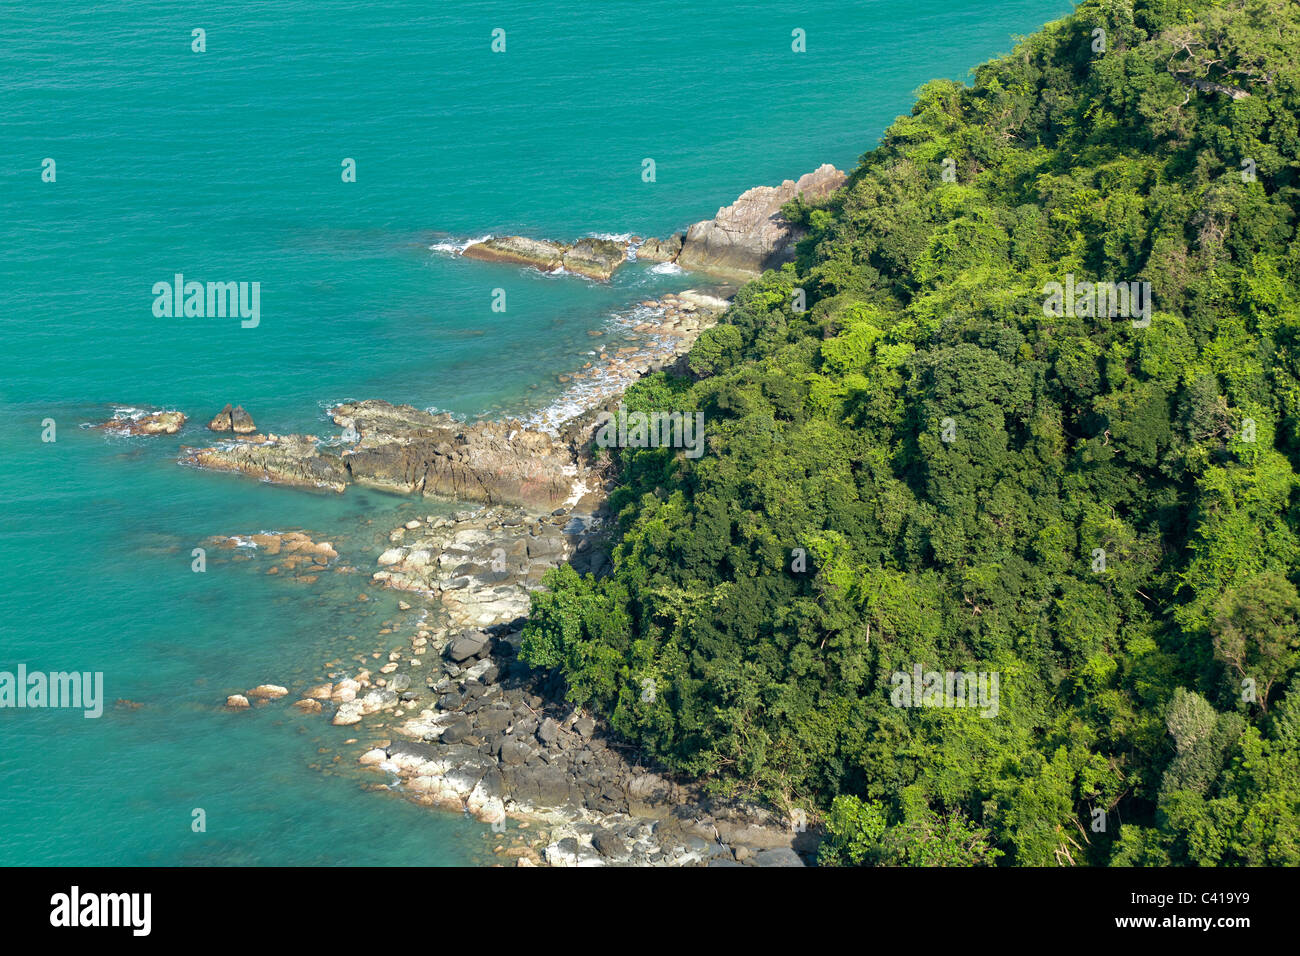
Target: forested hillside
x,y
1100,509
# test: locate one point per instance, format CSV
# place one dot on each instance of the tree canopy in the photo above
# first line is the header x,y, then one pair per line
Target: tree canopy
x,y
926,467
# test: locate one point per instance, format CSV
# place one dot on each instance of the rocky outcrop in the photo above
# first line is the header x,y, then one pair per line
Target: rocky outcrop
x,y
133,421
483,565
658,333
741,242
519,250
661,250
481,734
233,420
221,421
402,449
590,257
291,553
750,236
595,258
462,723
285,459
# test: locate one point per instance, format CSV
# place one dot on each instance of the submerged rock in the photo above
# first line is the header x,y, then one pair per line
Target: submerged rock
x,y
286,460
348,713
144,423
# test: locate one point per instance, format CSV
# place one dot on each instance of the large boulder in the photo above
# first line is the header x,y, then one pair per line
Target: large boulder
x,y
548,731
540,786
609,844
778,856
221,421
661,250
539,253
241,423
750,236
468,645
648,795
594,258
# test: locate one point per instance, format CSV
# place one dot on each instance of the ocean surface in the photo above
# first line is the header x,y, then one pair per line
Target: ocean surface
x,y
226,165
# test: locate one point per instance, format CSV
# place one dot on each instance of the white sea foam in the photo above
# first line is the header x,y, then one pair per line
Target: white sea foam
x,y
666,269
454,247
609,379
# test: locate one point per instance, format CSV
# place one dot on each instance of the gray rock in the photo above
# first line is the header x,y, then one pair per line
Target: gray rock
x,y
470,644
548,731
456,731
515,753
494,720
609,844
778,856
540,786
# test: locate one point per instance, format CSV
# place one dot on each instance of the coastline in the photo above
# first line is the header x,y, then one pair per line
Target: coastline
x,y
454,721
443,706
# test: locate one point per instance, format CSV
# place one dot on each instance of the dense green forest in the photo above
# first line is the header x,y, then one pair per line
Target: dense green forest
x,y
929,466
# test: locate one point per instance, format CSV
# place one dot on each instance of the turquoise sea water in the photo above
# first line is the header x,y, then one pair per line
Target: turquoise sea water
x,y
225,166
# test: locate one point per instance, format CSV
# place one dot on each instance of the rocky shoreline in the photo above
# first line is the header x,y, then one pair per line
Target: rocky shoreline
x,y
453,718
406,450
741,242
